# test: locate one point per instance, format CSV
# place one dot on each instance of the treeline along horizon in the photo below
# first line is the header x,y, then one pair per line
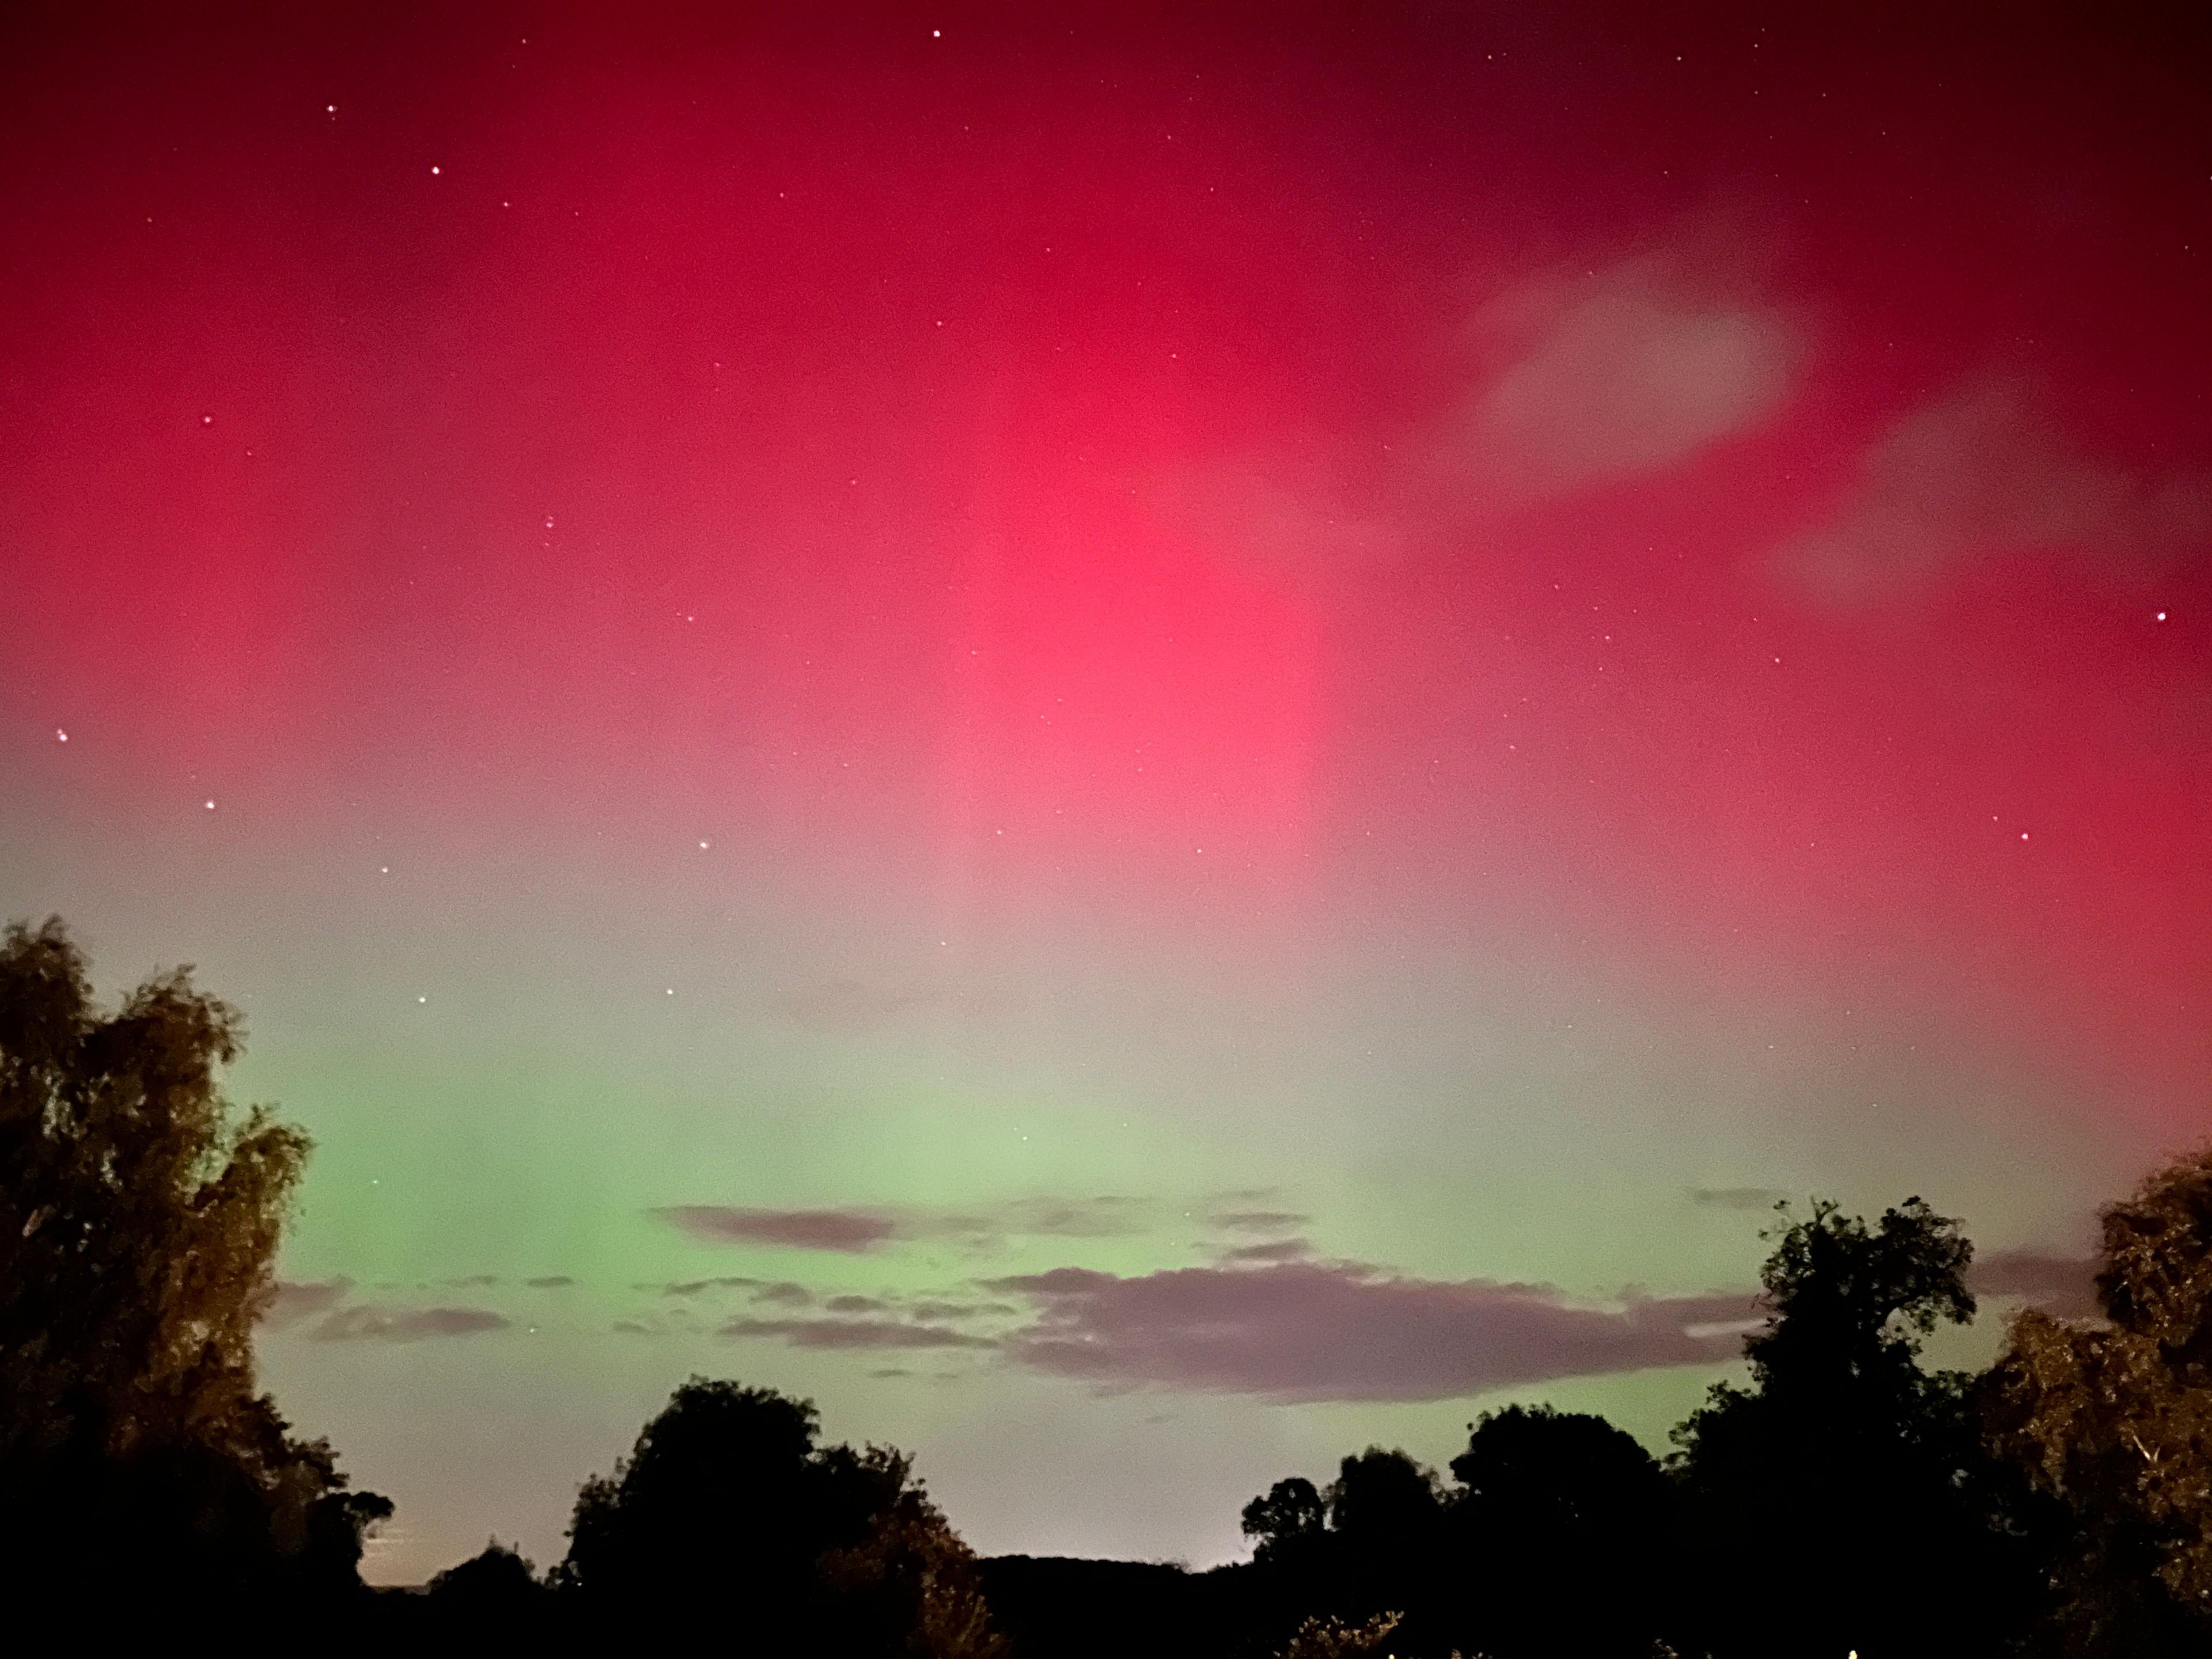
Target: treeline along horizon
x,y
1843,1498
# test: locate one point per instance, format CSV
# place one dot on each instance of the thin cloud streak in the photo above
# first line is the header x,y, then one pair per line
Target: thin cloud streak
x,y
848,1231
855,1333
859,1230
1736,1198
370,1323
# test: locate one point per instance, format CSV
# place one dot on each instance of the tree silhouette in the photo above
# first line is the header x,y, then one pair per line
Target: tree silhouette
x,y
1381,1500
139,1222
1286,1524
495,1593
727,1506
1561,1538
2114,1423
1843,1499
1384,1509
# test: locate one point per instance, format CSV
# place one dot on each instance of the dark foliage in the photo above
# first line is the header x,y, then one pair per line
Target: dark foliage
x,y
496,1595
1562,1538
1843,1501
139,1221
1056,1608
1556,1539
727,1508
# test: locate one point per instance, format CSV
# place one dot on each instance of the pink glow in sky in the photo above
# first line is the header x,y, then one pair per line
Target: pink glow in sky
x,y
914,522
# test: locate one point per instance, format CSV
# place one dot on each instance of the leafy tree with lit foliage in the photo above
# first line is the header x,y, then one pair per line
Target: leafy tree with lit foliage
x,y
2112,1421
140,1216
1843,1500
1332,1639
727,1508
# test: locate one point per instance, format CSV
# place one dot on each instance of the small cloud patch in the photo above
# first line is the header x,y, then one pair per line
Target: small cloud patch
x,y
2063,1285
300,1300
856,1334
849,1232
1736,1198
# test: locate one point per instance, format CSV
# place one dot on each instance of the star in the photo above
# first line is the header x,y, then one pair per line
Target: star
x,y
211,805
60,736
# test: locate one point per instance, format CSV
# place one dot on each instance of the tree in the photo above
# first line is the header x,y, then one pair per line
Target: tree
x,y
495,1592
1381,1499
2113,1423
727,1503
1561,1537
1286,1523
140,1218
1843,1500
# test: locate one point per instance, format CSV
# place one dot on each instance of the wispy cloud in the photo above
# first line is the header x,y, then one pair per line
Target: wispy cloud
x,y
847,1230
550,1282
370,1323
1258,1221
2063,1285
1347,1331
762,1289
845,1334
1103,1216
850,1005
1736,1198
1568,382
1990,469
859,1230
1625,370
318,1310
296,1301
1275,1250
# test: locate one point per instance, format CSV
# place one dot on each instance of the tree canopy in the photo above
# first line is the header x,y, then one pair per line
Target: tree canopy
x,y
140,1216
1843,1499
726,1502
2113,1422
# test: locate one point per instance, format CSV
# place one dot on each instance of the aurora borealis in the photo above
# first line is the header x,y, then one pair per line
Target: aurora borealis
x,y
1143,741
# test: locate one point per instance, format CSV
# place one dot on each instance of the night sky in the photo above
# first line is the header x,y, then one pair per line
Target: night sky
x,y
1143,743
